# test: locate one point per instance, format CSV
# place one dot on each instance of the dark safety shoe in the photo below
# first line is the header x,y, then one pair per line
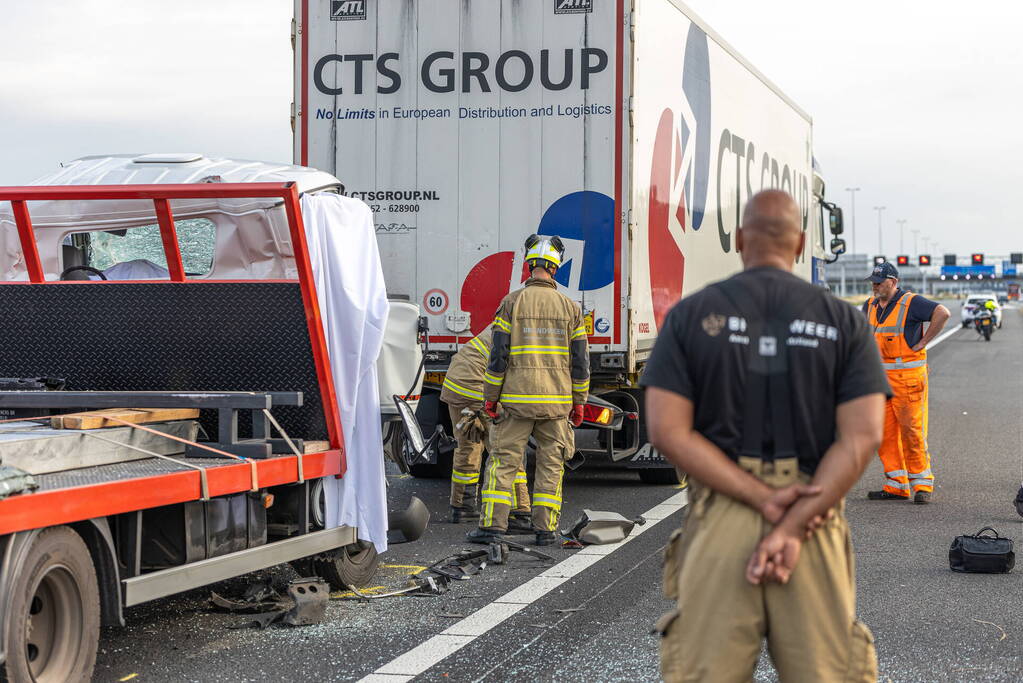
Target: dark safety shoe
x,y
459,515
546,537
485,536
520,524
922,497
1018,502
884,495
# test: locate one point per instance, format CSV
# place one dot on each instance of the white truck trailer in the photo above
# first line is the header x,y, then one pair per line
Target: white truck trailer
x,y
627,127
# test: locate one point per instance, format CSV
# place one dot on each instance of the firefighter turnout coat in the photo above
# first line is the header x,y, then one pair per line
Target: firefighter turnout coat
x,y
539,364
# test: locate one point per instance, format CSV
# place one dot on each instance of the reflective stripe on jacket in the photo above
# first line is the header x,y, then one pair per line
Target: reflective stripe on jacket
x,y
463,383
890,336
539,362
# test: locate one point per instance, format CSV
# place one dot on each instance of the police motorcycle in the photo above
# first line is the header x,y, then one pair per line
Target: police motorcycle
x,y
984,322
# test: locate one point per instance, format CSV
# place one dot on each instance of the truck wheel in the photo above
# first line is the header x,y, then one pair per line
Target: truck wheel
x,y
352,565
53,623
660,475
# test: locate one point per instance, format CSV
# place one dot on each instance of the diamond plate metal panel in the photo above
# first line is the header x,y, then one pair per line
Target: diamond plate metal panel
x,y
209,336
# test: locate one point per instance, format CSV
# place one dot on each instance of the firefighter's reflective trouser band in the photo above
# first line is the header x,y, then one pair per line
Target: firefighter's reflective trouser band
x,y
554,445
903,452
465,472
716,632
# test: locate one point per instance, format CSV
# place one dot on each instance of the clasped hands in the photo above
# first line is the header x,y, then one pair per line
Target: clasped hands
x,y
776,555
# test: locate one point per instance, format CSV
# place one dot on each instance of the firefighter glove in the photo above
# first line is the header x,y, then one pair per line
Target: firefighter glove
x,y
490,408
576,416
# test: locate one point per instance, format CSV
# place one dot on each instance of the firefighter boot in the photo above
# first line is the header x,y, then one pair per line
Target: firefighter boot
x,y
520,523
546,537
465,513
485,536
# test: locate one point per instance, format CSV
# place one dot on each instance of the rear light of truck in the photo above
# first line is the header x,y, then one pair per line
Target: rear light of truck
x,y
597,414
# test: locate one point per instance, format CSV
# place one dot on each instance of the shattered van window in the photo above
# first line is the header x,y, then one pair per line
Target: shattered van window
x,y
196,239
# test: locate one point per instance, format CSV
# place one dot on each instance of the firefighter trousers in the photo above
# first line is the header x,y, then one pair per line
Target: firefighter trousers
x,y
555,444
717,631
903,451
465,470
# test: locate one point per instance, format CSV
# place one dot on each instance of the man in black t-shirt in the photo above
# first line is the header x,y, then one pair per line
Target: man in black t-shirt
x,y
769,392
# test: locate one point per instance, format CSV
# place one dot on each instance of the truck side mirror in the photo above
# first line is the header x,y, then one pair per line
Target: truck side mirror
x,y
838,246
836,221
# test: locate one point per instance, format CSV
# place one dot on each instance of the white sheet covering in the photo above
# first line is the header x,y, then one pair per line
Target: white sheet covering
x,y
353,303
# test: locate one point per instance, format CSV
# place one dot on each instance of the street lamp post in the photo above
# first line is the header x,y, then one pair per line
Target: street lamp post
x,y
902,232
880,243
916,250
852,205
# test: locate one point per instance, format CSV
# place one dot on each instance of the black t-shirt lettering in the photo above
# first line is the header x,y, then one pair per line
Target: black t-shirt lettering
x,y
702,354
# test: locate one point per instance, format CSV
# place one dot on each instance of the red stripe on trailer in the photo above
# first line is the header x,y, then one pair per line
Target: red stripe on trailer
x,y
67,505
619,81
303,35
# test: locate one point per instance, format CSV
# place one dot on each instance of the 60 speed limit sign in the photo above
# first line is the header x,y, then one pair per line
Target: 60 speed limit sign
x,y
435,301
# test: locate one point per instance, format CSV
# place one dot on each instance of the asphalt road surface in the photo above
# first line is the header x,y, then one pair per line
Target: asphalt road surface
x,y
589,617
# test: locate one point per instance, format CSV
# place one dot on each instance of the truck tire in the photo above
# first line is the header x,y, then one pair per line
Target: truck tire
x,y
658,475
352,565
54,620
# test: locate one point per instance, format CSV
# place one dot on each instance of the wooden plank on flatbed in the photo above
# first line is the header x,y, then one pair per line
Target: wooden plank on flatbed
x,y
97,419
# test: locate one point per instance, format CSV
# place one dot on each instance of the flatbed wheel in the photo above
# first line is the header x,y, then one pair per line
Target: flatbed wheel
x,y
54,621
352,565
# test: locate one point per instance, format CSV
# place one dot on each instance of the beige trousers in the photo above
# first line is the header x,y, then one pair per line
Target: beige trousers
x,y
717,631
555,444
465,471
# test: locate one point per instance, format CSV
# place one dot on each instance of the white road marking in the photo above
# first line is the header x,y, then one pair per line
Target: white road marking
x,y
945,335
432,651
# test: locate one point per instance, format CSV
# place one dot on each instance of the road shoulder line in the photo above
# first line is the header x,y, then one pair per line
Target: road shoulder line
x,y
431,651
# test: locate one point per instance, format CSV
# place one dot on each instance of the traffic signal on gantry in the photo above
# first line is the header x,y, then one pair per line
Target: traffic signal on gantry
x,y
950,259
977,259
924,260
902,260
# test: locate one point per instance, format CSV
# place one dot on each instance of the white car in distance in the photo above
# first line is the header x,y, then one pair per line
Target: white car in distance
x,y
977,301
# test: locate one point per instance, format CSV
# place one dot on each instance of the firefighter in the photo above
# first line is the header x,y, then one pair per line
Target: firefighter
x,y
897,319
463,390
536,382
769,392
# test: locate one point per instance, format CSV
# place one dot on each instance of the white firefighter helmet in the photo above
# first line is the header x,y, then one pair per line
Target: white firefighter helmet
x,y
544,252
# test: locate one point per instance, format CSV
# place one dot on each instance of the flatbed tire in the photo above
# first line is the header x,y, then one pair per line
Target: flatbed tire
x,y
54,618
353,565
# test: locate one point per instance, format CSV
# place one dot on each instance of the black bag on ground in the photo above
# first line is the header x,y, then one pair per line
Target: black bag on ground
x,y
981,553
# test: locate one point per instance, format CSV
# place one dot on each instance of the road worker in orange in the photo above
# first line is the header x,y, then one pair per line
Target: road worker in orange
x,y
897,319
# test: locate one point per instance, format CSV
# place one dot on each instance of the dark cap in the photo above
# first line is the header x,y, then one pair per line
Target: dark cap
x,y
882,272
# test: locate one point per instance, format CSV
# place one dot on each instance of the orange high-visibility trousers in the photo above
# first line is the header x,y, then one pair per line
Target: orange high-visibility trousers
x,y
903,452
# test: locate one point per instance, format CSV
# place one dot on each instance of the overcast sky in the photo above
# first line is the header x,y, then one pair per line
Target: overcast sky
x,y
918,104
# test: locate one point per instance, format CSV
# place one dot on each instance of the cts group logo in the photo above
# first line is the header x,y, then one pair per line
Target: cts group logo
x,y
585,222
679,175
573,6
347,10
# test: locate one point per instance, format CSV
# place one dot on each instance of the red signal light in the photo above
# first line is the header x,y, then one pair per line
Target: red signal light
x,y
978,259
924,260
902,260
597,414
